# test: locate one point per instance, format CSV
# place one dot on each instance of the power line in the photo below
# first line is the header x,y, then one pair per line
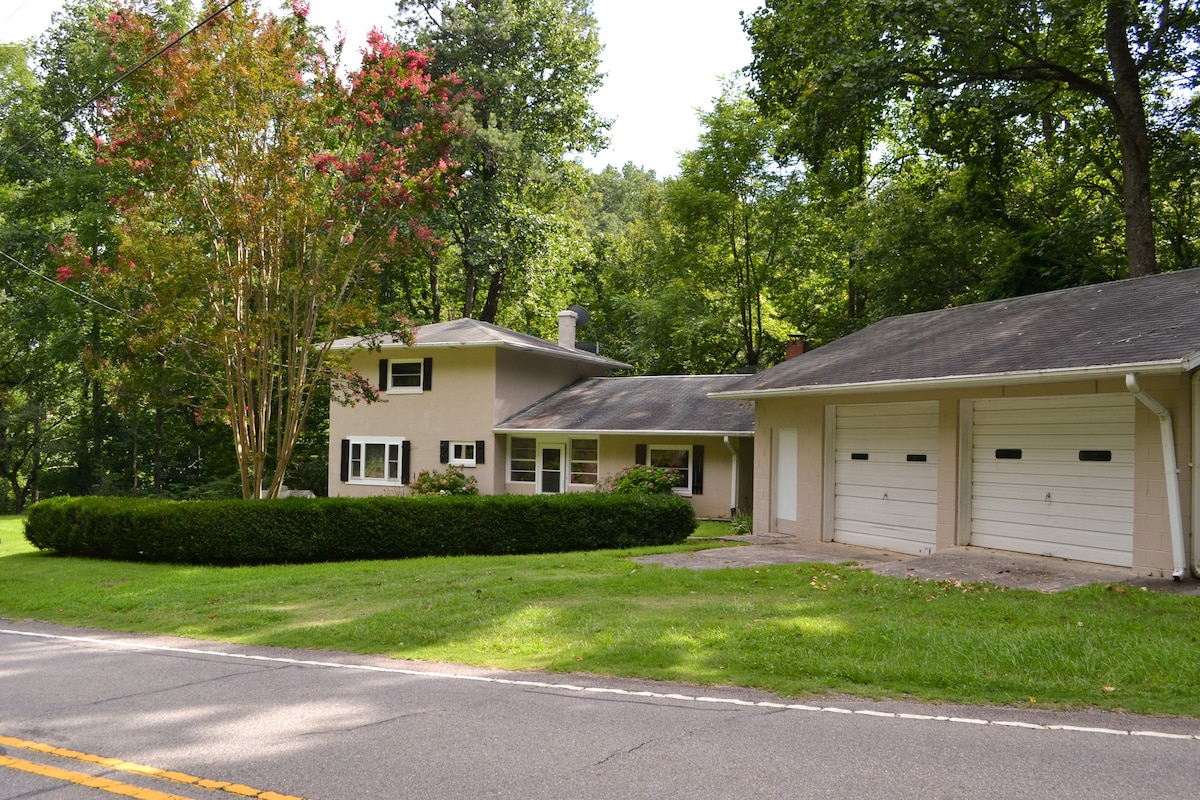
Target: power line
x,y
62,285
107,89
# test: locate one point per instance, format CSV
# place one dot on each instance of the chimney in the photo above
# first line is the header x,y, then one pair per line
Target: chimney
x,y
566,329
797,345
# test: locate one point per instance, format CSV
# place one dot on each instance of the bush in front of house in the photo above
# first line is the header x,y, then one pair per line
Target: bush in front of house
x,y
293,531
642,479
452,481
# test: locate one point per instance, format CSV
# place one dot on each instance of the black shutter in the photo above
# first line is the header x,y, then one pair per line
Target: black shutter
x,y
383,374
427,374
444,452
345,460
479,451
405,471
698,469
639,455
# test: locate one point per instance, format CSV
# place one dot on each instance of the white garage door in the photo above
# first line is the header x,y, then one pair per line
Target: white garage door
x,y
1054,476
885,476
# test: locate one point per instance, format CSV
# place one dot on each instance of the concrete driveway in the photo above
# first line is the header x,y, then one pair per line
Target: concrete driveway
x,y
967,564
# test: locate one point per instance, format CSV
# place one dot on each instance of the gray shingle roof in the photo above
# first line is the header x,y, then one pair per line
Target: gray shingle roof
x,y
473,333
650,404
1151,322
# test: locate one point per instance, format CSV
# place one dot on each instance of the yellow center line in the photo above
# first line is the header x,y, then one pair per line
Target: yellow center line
x,y
83,779
116,787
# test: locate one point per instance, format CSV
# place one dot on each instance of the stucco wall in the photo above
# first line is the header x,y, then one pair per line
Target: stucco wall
x,y
458,407
807,416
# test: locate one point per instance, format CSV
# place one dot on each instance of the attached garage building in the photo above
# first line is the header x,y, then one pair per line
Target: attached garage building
x,y
1061,424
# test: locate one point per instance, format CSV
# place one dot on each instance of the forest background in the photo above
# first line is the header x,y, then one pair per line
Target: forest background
x,y
877,157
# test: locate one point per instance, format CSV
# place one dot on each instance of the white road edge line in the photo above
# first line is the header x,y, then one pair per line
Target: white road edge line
x,y
568,687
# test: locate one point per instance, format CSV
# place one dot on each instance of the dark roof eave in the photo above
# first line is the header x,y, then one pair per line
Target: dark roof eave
x,y
619,432
1172,367
572,355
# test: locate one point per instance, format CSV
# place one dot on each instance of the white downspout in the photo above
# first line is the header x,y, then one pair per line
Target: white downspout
x,y
733,479
1195,483
1170,471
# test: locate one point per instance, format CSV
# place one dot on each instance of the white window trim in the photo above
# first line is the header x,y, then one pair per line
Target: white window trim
x,y
420,387
508,470
541,443
458,461
363,441
686,490
571,460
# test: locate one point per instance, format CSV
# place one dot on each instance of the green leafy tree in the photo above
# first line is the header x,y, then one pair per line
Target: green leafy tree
x,y
736,208
533,65
54,186
836,70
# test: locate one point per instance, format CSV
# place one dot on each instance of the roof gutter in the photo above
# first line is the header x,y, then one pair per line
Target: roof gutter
x,y
613,432
1170,471
1173,367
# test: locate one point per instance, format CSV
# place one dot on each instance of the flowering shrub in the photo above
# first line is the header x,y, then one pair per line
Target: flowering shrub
x,y
452,481
646,480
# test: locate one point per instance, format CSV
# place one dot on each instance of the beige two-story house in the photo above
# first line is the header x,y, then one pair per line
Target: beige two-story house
x,y
524,415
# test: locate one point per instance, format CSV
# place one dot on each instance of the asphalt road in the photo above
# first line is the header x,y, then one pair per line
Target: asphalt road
x,y
270,723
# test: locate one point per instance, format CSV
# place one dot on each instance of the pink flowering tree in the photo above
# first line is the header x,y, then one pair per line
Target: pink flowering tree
x,y
267,193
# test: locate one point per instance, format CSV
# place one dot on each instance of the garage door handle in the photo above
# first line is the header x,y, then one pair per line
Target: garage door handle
x,y
1047,497
885,495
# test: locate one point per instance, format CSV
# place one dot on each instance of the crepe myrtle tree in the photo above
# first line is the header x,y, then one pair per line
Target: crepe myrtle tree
x,y
266,189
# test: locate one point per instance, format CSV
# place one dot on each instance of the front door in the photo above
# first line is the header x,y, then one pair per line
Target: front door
x,y
551,474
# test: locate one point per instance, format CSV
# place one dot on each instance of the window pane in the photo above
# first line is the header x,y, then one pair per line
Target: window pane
x,y
373,465
676,460
673,459
356,460
585,461
523,460
406,374
393,465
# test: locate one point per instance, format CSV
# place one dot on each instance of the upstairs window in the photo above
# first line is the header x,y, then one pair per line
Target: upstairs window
x,y
405,376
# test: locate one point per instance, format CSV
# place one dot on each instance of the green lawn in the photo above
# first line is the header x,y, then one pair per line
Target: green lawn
x,y
796,630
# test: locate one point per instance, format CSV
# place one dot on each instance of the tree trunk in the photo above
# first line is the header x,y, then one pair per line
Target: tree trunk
x,y
1129,115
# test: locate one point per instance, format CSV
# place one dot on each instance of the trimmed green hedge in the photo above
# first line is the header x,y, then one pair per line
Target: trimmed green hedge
x,y
295,531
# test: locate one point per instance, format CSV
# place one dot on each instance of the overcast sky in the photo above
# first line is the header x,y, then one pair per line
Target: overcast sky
x,y
663,59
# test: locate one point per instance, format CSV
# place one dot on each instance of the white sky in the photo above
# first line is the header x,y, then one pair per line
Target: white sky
x,y
663,60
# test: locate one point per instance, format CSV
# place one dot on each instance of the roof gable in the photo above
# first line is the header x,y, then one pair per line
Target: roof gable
x,y
1152,321
646,404
473,333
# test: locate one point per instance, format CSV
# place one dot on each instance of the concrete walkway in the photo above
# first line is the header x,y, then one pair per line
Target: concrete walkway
x,y
967,564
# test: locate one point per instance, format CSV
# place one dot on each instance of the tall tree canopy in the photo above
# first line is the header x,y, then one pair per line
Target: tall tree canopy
x,y
836,70
533,65
264,193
